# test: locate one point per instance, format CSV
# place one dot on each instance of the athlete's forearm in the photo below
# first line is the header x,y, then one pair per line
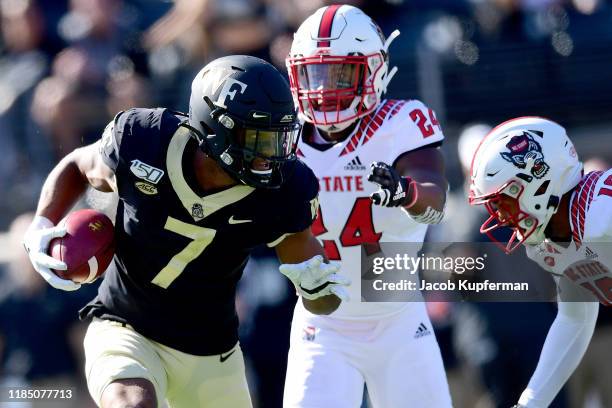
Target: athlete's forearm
x,y
61,190
566,343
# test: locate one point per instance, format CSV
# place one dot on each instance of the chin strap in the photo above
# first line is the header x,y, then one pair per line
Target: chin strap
x,y
198,137
393,70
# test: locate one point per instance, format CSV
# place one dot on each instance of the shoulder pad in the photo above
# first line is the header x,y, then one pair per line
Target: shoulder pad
x,y
414,125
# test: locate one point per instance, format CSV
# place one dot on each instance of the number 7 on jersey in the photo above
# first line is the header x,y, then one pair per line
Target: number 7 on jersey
x,y
202,237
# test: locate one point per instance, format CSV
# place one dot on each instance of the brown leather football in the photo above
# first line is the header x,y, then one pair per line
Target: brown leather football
x,y
87,248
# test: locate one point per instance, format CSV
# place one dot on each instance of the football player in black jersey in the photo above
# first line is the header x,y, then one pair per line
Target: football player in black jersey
x,y
196,194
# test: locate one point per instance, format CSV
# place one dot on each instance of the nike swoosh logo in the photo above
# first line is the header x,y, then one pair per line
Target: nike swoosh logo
x,y
232,220
258,116
228,355
492,174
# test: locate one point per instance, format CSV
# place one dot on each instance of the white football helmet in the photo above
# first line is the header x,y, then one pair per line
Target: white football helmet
x,y
519,172
338,67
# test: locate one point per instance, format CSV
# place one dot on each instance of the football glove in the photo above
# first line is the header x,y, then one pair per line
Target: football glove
x,y
36,242
393,190
315,278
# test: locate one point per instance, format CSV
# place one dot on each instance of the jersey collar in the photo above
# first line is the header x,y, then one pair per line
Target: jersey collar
x,y
353,139
198,207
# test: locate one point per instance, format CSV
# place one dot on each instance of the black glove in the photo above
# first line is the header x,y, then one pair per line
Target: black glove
x,y
394,190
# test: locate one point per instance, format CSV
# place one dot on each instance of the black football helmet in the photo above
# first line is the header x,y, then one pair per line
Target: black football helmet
x,y
242,114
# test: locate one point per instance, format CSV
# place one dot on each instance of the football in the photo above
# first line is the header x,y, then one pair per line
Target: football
x,y
87,248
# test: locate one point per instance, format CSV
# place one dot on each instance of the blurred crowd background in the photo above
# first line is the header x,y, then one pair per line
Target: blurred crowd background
x,y
68,66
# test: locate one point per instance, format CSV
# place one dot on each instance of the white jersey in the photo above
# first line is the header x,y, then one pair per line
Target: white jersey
x,y
587,261
347,219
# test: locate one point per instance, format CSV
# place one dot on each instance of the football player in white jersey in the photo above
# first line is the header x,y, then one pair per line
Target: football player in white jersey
x,y
338,70
527,174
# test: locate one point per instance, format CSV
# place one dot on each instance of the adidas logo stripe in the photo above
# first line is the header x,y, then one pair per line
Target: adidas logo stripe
x,y
590,254
422,331
354,164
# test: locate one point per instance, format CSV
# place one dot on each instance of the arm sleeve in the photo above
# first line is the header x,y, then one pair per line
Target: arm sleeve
x,y
566,343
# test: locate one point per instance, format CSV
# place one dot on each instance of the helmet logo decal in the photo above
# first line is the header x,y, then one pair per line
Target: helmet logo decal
x,y
227,91
260,115
213,78
523,148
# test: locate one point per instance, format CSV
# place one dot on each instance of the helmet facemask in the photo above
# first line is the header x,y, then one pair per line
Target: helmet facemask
x,y
252,154
333,91
260,154
505,211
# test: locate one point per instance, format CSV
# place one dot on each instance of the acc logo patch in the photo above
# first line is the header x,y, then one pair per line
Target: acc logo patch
x,y
287,118
523,148
146,188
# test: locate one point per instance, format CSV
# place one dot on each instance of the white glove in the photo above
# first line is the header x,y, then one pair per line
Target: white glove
x,y
36,242
314,278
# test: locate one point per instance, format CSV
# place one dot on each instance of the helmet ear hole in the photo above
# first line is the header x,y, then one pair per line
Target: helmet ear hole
x,y
542,189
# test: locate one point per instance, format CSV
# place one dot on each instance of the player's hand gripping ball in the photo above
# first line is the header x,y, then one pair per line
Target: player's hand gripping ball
x,y
88,247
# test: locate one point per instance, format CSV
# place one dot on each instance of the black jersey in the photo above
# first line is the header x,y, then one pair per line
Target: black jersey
x,y
179,255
